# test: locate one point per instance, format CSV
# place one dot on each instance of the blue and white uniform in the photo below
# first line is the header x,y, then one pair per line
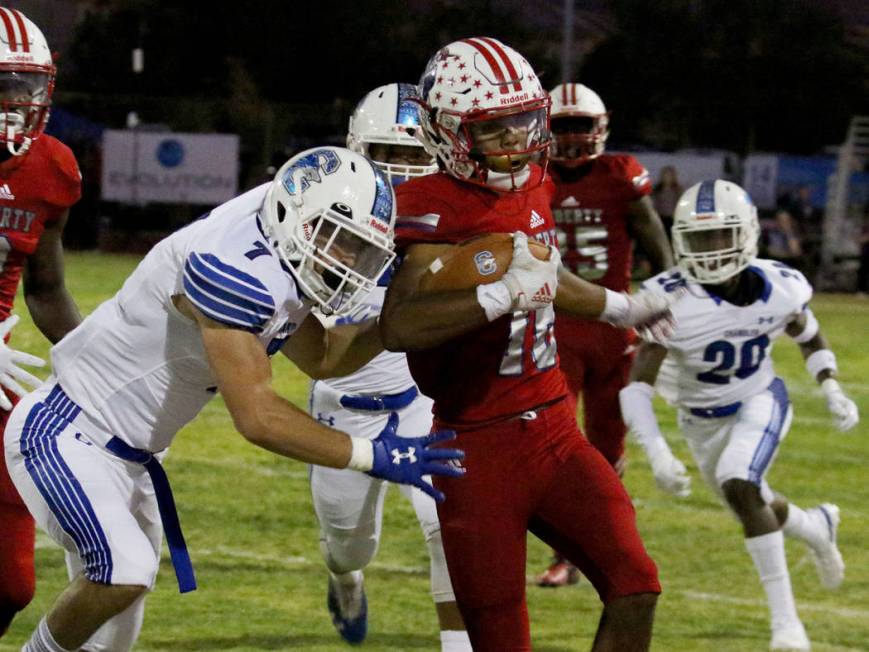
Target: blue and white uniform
x,y
133,374
349,505
733,409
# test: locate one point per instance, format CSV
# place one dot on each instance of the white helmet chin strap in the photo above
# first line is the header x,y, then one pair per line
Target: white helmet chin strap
x,y
507,180
14,123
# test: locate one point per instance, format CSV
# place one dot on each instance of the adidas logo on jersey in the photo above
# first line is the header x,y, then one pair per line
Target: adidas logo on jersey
x,y
543,295
5,192
536,220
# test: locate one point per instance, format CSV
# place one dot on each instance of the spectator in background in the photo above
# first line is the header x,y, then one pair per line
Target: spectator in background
x,y
665,194
783,240
863,272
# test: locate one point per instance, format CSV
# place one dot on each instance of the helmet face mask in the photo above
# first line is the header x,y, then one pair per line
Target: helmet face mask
x,y
486,115
715,231
580,125
330,213
27,75
383,127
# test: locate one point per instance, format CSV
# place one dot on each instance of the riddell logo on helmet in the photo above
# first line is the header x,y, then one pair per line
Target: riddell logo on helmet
x,y
378,225
514,98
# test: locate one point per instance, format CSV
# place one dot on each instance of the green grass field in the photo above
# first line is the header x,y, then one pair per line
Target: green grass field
x,y
252,533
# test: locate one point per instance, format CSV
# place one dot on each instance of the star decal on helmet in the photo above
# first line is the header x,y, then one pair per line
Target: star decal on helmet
x,y
477,83
475,102
489,95
464,78
454,101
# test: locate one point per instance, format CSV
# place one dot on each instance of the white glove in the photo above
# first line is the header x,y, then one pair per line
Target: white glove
x,y
648,312
670,474
531,282
843,409
9,372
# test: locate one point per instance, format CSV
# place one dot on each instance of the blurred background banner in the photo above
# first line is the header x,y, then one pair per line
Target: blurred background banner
x,y
168,167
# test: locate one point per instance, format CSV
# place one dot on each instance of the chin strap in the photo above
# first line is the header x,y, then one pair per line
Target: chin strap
x,y
508,180
14,123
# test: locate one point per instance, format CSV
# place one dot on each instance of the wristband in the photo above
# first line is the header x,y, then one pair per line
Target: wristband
x,y
810,330
495,299
362,455
821,360
831,386
638,414
616,307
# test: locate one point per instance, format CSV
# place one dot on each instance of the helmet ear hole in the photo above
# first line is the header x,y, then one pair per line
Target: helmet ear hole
x,y
342,209
282,212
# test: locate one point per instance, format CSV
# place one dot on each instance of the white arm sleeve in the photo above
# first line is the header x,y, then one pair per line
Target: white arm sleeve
x,y
639,416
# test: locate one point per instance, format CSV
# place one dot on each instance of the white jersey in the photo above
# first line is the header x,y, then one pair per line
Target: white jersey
x,y
137,366
719,353
387,372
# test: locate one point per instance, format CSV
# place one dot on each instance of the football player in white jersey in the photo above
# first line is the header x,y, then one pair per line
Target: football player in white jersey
x,y
349,505
733,410
201,314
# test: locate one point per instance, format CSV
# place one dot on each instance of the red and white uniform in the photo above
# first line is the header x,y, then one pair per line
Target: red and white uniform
x,y
591,218
35,189
528,467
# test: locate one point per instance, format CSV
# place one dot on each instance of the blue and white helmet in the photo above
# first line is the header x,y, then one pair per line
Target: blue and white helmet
x,y
389,115
715,231
330,213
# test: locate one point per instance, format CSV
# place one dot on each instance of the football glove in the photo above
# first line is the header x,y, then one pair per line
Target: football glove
x,y
648,312
670,474
407,460
843,409
10,373
531,282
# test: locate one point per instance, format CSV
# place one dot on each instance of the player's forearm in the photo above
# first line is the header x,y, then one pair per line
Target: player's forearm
x,y
579,297
425,320
54,313
350,347
271,422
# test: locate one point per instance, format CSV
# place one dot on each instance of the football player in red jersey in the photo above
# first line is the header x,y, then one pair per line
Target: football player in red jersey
x,y
487,357
39,181
601,204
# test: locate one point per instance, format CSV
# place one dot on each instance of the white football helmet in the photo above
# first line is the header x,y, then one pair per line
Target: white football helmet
x,y
715,231
26,81
476,94
330,213
580,124
389,115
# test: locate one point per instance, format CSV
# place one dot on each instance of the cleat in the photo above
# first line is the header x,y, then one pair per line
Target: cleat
x,y
790,636
560,573
349,610
828,559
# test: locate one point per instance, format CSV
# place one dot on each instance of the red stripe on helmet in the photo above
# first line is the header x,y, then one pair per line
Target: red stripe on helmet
x,y
496,69
25,42
573,93
564,93
10,31
492,43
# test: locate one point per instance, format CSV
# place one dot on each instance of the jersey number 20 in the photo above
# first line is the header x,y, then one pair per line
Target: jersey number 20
x,y
750,354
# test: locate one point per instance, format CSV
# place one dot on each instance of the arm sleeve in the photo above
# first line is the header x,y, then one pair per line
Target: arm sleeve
x,y
639,416
227,294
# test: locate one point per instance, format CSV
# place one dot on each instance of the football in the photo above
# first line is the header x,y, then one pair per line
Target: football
x,y
482,259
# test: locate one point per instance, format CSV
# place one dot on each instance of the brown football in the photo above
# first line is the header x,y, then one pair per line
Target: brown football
x,y
483,259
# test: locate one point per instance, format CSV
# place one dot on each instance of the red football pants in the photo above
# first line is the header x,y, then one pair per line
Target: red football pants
x,y
539,475
596,361
17,539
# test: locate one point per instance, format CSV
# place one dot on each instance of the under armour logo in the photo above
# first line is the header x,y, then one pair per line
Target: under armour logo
x,y
765,320
543,295
410,455
328,420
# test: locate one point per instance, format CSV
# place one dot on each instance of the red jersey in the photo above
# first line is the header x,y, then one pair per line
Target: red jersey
x,y
35,189
509,365
591,215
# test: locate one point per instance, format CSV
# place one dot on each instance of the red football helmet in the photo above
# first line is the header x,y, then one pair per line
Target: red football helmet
x,y
27,74
486,113
580,124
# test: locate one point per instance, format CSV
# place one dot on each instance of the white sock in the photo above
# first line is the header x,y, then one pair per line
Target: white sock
x,y
799,525
42,640
454,640
768,553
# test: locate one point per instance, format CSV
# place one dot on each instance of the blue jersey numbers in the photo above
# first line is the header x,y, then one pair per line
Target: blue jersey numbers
x,y
733,360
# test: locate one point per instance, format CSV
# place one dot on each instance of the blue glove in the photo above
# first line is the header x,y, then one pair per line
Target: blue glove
x,y
407,459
